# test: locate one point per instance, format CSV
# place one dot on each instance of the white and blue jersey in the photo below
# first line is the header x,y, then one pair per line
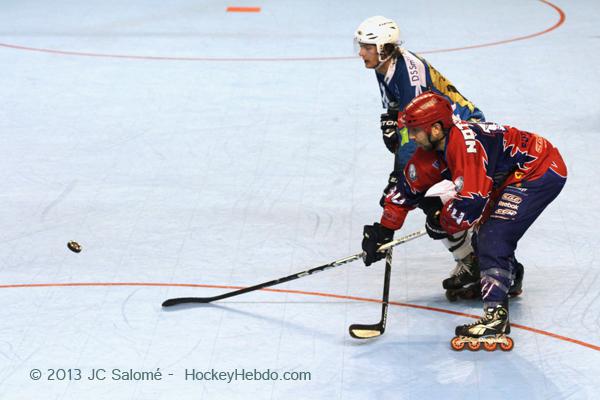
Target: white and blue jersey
x,y
407,77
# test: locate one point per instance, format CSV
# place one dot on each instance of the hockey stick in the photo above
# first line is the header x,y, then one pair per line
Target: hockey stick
x,y
333,264
367,331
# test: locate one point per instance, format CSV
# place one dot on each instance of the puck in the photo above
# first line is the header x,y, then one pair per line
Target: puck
x,y
74,246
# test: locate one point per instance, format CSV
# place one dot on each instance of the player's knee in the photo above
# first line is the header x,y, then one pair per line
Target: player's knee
x,y
494,253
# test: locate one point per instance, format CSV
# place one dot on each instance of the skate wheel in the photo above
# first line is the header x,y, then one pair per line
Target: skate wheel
x,y
474,346
515,294
490,346
508,346
451,296
457,344
471,294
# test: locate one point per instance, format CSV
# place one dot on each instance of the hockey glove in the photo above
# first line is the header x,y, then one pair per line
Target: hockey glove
x,y
430,205
434,228
374,236
389,129
392,181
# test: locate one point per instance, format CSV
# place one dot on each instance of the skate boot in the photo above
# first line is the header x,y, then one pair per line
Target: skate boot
x,y
464,280
517,285
489,332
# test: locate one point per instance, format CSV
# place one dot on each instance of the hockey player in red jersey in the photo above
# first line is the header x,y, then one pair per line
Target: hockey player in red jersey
x,y
401,76
502,179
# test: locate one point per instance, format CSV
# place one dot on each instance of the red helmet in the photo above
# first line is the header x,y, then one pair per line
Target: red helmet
x,y
425,110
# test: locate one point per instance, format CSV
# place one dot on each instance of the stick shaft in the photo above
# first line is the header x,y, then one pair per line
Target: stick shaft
x,y
288,278
386,288
333,264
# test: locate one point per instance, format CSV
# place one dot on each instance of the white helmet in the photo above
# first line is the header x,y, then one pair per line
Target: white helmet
x,y
379,31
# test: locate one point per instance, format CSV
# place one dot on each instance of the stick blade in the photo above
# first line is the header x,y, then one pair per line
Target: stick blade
x,y
365,331
185,300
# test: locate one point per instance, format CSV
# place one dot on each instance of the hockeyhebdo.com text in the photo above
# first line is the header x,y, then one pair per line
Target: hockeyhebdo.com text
x,y
188,374
241,375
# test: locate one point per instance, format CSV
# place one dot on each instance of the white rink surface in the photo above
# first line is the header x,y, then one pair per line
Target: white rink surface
x,y
234,172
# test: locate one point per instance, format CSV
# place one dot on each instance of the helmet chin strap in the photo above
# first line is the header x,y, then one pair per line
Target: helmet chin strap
x,y
389,57
383,61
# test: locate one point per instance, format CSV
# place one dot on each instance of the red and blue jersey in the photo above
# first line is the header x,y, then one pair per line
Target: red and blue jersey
x,y
481,159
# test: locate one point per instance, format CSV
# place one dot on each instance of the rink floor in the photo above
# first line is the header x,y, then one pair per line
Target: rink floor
x,y
192,151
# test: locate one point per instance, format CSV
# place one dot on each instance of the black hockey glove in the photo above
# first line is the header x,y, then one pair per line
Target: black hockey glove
x,y
389,128
374,236
433,227
392,181
430,205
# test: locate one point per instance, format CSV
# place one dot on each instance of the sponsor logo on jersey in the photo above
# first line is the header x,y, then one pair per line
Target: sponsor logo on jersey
x,y
491,129
459,183
512,198
413,71
519,175
412,172
504,211
416,71
508,205
539,143
524,139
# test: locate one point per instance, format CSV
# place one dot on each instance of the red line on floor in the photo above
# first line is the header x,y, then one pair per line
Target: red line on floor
x,y
300,292
243,9
561,20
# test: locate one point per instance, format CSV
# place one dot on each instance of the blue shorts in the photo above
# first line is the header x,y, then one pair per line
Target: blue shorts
x,y
496,240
